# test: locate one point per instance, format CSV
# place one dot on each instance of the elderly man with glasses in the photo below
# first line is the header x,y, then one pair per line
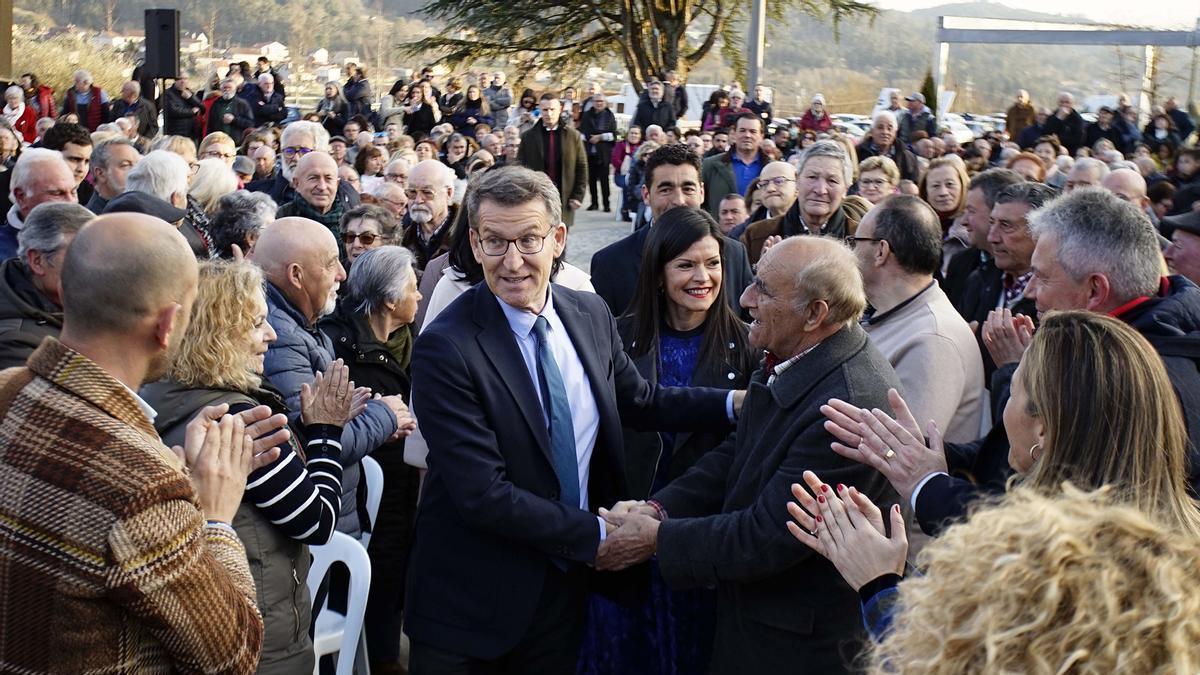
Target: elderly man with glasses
x,y
430,216
299,139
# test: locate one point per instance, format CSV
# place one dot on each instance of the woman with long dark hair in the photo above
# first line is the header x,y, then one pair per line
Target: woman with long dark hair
x,y
679,331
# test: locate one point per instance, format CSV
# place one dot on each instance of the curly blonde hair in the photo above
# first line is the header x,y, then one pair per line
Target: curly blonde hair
x,y
214,352
1078,582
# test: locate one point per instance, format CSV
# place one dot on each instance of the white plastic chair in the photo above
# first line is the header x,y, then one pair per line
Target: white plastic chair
x,y
373,478
342,634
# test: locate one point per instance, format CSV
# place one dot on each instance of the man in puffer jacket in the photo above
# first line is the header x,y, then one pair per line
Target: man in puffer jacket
x,y
299,259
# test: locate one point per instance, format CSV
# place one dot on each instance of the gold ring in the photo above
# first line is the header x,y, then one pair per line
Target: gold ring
x,y
889,454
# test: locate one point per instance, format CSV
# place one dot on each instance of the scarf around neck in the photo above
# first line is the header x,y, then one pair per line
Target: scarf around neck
x,y
13,114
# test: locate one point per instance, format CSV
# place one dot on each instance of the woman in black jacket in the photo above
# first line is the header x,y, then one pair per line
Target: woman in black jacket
x,y
370,332
678,331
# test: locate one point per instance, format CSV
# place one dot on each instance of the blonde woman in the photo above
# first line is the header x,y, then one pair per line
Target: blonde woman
x,y
213,180
289,503
944,187
878,178
1081,367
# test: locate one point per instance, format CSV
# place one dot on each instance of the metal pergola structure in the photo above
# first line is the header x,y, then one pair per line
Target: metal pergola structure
x,y
964,30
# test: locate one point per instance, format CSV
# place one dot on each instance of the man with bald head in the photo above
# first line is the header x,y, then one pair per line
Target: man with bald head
x,y
1130,186
39,176
316,183
777,185
136,567
301,264
430,218
1086,172
391,197
806,301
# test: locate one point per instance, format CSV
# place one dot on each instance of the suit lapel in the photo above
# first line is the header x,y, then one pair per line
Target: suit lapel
x,y
499,345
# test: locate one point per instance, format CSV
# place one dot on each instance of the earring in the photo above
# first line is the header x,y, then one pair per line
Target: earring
x,y
1036,446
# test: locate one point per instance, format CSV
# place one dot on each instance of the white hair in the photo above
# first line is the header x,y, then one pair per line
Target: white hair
x,y
440,171
829,148
214,179
15,91
266,77
384,187
161,173
82,75
133,85
884,115
1093,164
319,135
398,161
27,167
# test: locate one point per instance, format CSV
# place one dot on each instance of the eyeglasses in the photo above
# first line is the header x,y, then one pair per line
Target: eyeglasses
x,y
873,182
193,167
364,238
396,177
853,241
297,151
214,154
777,181
529,244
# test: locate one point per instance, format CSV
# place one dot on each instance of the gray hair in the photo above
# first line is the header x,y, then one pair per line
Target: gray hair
x,y
14,90
26,166
884,115
378,277
103,151
214,179
388,225
828,148
161,173
1035,195
1098,233
266,77
319,135
82,75
239,215
1098,166
47,225
512,186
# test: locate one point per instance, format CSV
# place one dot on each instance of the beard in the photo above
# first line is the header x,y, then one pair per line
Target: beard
x,y
330,303
287,170
420,215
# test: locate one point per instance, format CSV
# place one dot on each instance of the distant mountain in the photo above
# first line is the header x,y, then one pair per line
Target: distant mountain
x,y
993,10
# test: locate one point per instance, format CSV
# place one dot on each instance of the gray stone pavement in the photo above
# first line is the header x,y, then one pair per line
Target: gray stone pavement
x,y
592,231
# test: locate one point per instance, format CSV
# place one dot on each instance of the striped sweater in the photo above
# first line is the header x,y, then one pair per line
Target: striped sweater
x,y
106,564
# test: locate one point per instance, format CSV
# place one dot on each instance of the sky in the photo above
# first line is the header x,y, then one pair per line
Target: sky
x,y
1168,14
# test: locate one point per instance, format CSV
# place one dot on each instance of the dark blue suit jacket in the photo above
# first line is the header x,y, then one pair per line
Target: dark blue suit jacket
x,y
490,523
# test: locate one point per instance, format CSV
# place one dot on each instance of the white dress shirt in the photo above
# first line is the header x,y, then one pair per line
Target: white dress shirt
x,y
585,416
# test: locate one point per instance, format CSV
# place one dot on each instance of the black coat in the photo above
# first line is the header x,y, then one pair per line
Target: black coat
x,y
27,316
266,109
781,607
593,122
490,524
180,114
615,270
1070,130
905,160
644,449
647,113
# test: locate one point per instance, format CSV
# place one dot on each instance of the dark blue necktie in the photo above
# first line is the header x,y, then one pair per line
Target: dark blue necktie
x,y
562,431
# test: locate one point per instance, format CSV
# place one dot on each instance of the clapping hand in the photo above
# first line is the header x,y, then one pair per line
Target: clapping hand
x,y
846,527
219,454
1007,336
329,399
893,447
633,541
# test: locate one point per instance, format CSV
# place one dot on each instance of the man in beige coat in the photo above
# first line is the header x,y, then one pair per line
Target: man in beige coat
x,y
936,357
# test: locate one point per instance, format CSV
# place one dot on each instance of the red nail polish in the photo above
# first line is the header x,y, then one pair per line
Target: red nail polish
x,y
824,488
841,488
820,499
820,520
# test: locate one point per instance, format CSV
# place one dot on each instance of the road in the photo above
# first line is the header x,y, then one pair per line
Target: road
x,y
592,231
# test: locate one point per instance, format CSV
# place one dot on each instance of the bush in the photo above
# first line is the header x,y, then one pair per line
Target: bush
x,y
55,60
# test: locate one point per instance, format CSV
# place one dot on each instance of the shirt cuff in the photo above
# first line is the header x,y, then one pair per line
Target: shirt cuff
x,y
729,407
921,484
221,525
603,529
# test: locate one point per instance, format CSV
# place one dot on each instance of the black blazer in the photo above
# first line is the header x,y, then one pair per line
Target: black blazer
x,y
489,522
643,449
781,607
615,271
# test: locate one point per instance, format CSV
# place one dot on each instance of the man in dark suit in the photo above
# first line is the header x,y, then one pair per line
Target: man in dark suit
x,y
672,178
598,126
557,150
522,392
780,607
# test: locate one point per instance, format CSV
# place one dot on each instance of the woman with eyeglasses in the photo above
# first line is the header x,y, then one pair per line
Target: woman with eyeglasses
x,y
367,227
878,178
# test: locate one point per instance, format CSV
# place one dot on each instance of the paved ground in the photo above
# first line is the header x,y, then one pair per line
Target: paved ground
x,y
592,231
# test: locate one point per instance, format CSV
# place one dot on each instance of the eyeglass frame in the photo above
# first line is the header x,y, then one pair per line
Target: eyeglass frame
x,y
348,238
513,242
777,181
853,241
302,151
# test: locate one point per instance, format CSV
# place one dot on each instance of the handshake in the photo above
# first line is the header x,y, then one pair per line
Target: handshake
x,y
631,535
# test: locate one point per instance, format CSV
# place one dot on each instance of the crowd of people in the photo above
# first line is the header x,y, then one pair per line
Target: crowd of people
x,y
900,404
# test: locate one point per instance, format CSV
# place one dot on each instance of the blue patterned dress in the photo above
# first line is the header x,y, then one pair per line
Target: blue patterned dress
x,y
671,633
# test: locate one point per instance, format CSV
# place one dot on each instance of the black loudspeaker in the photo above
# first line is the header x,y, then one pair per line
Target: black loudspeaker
x,y
162,43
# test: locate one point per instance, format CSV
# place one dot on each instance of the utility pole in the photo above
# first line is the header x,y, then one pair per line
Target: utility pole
x,y
758,38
